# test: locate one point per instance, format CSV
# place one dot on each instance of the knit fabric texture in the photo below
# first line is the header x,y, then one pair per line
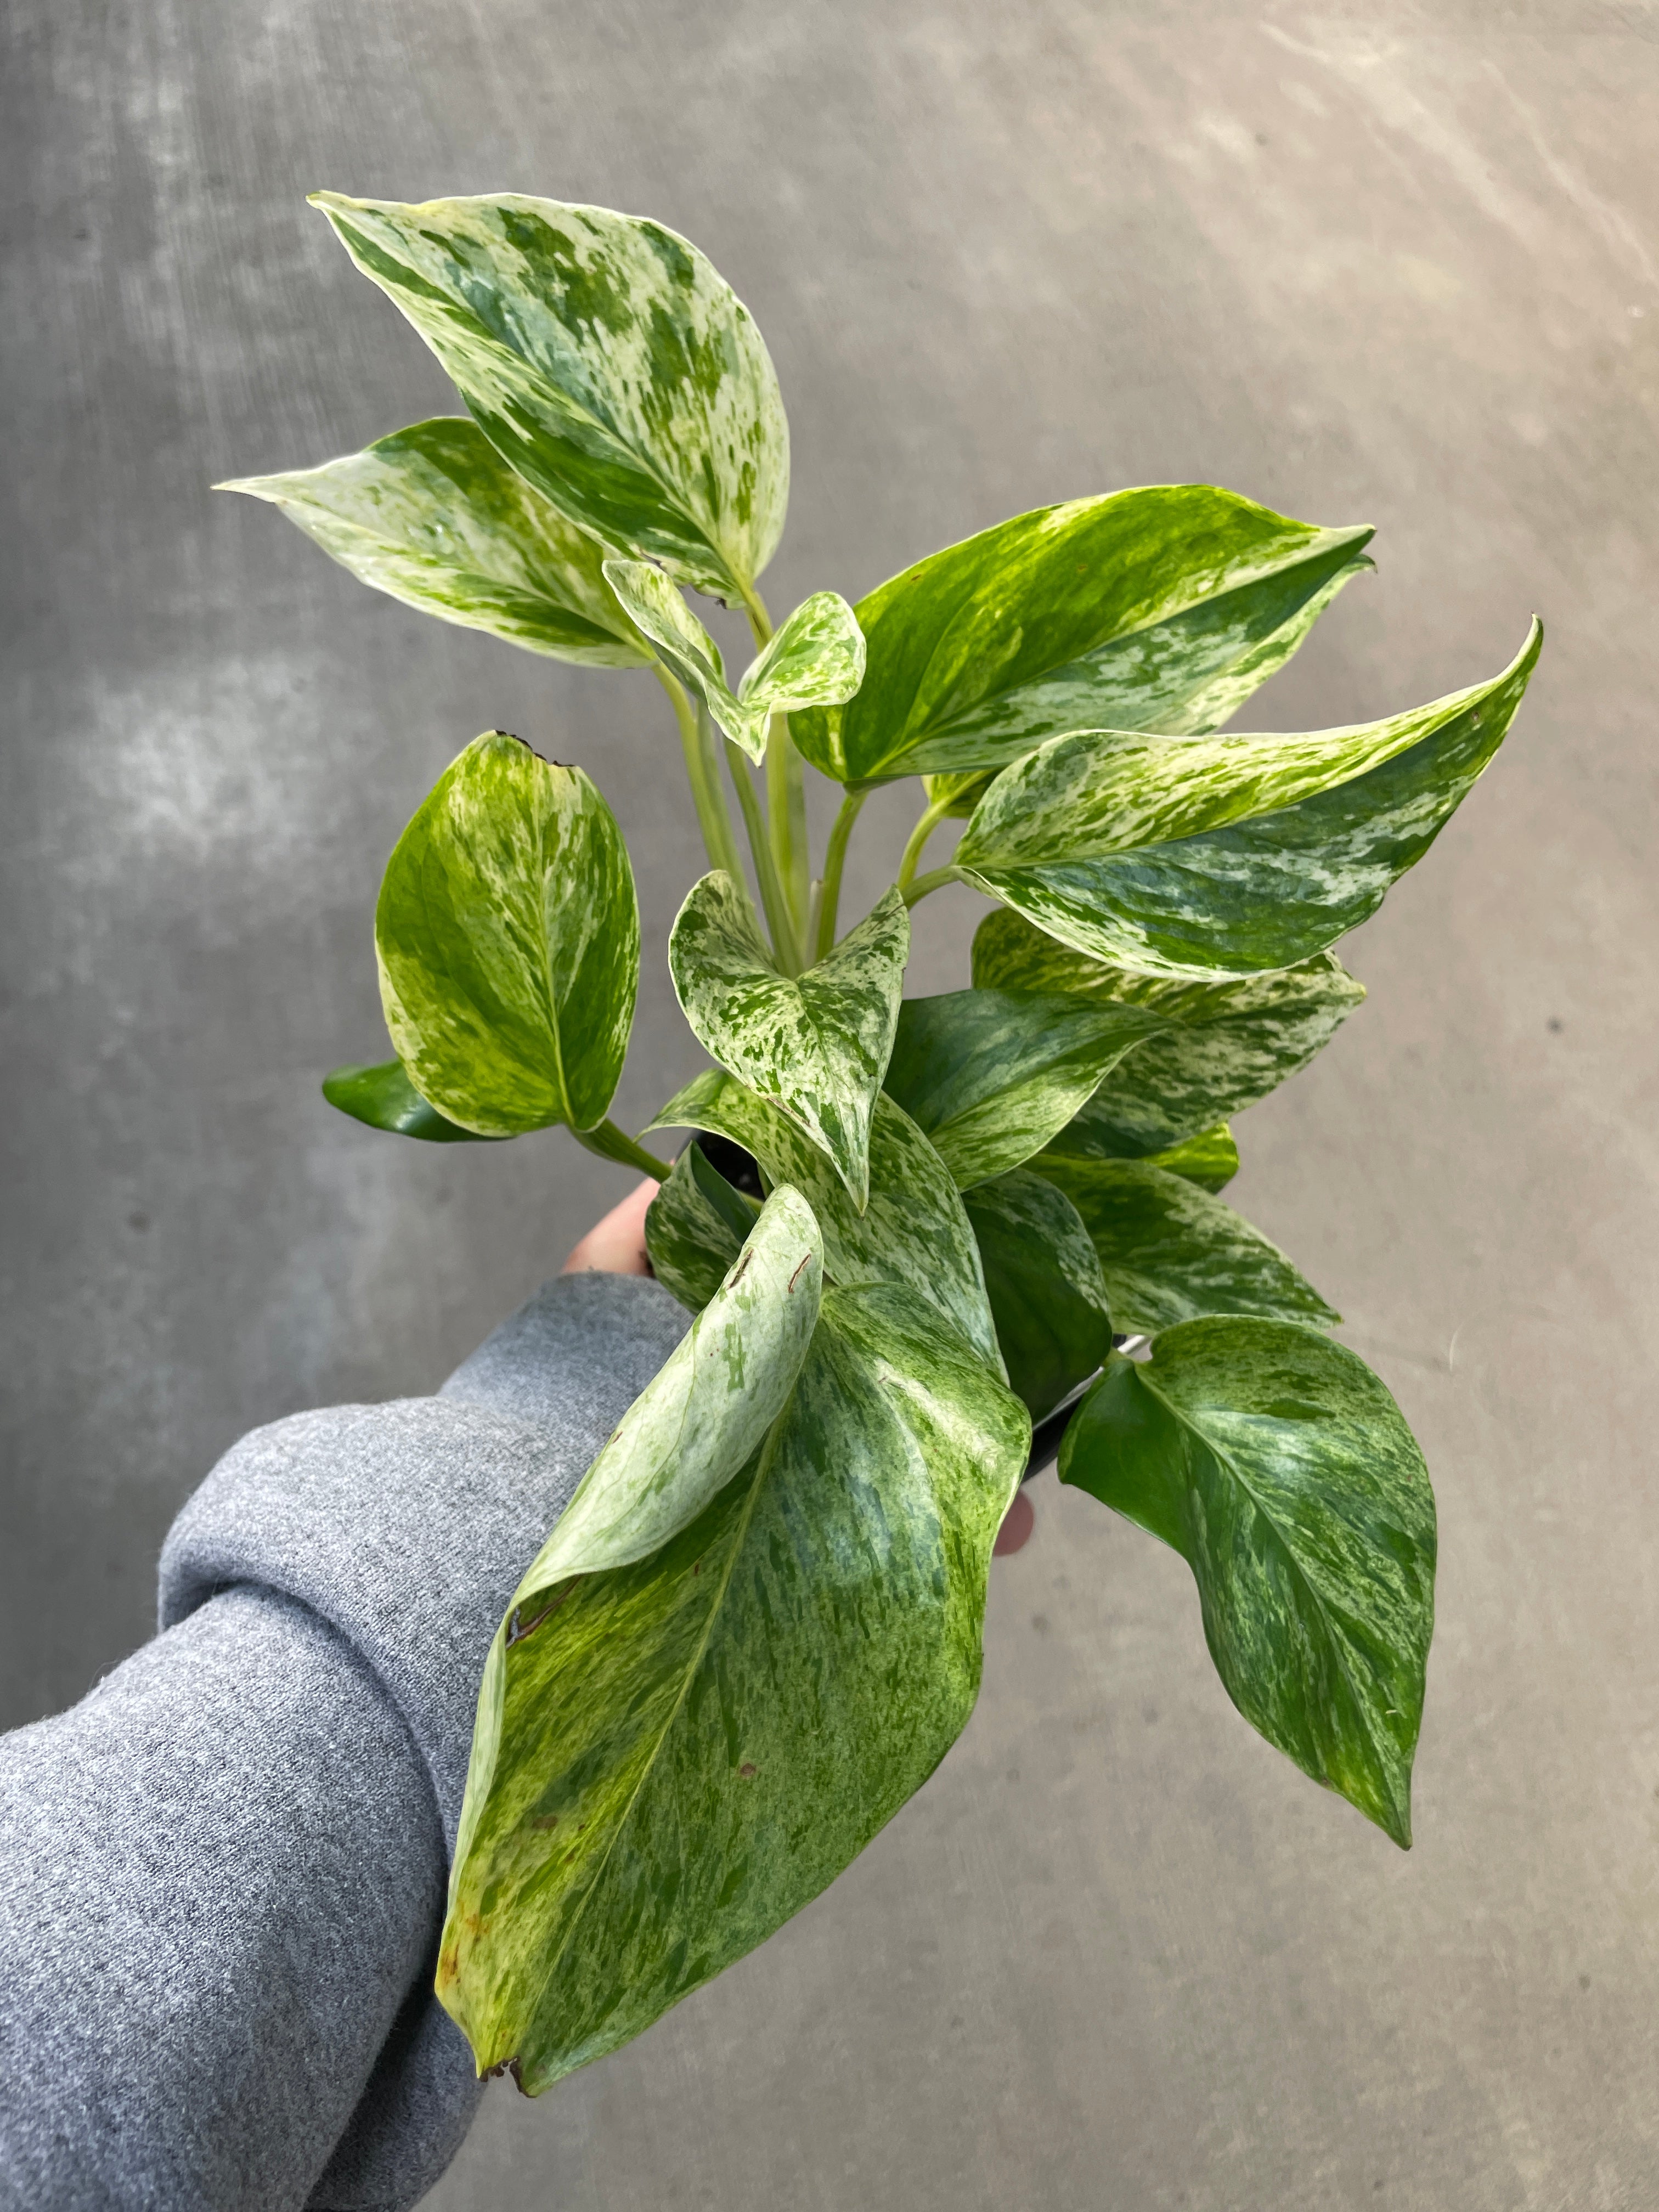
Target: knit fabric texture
x,y
222,1874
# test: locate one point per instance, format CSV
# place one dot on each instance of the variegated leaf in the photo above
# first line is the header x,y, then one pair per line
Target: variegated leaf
x,y
912,1230
815,658
704,1413
817,655
607,361
1281,1470
694,1228
814,1046
1210,1159
508,939
384,1097
433,515
1156,609
679,1754
1170,1252
1042,1276
1227,1044
1224,856
991,1076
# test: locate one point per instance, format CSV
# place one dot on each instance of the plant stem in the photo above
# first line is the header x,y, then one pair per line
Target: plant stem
x,y
612,1142
835,859
755,607
934,880
786,945
924,830
786,814
703,772
786,790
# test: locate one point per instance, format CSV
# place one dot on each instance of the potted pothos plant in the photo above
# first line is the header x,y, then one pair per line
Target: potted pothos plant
x,y
756,1629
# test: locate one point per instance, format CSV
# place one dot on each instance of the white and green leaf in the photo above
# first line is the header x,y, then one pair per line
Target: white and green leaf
x,y
815,1046
1156,609
694,1228
992,1076
679,1754
1042,1276
436,517
1224,856
912,1230
816,656
508,939
1281,1470
707,1409
607,361
1227,1044
1169,1251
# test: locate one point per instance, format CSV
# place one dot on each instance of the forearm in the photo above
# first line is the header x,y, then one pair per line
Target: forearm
x,y
222,1874
219,1875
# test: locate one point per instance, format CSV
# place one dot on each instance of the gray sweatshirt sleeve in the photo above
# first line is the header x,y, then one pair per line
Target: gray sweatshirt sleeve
x,y
222,1874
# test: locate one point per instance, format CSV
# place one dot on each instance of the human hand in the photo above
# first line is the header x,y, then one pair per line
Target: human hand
x,y
615,1246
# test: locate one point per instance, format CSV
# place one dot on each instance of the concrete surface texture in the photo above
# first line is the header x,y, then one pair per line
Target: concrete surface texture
x,y
1390,263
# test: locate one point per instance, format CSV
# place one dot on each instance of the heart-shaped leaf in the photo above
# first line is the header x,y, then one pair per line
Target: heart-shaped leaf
x,y
1043,1279
508,938
1227,1045
1281,1470
991,1076
385,1098
694,1228
816,656
673,1756
607,361
1170,1252
912,1231
706,1410
1162,608
433,515
814,1046
1222,856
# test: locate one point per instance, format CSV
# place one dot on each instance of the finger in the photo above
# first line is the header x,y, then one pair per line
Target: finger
x,y
615,1245
1017,1525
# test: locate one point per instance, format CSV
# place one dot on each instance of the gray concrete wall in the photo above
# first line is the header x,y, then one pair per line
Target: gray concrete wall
x,y
1391,263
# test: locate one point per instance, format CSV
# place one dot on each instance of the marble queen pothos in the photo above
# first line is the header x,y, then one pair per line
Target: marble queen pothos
x,y
758,1628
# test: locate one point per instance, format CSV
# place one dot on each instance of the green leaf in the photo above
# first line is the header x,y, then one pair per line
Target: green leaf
x,y
1161,608
1048,1296
435,516
912,1231
814,1046
1222,856
1170,1252
385,1098
1282,1470
991,1076
1210,1159
673,1756
1225,1046
694,1228
705,1412
816,656
607,361
508,938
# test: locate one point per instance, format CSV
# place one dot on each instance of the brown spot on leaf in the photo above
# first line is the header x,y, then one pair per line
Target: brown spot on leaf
x,y
747,1772
800,1271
